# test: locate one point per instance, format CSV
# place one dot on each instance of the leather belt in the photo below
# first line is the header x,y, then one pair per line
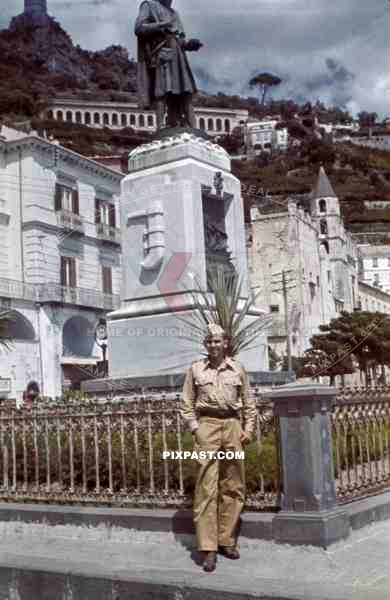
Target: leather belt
x,y
219,413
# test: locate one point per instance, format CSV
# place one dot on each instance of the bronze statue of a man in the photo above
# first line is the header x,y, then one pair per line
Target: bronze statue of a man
x,y
165,79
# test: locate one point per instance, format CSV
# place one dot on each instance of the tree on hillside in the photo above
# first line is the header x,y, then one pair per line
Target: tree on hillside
x,y
264,81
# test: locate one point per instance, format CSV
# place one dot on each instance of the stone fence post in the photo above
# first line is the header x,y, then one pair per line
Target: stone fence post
x,y
309,512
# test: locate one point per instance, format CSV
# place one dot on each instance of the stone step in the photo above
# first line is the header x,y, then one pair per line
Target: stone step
x,y
65,562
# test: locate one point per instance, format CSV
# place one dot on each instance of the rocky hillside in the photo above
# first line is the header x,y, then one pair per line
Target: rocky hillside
x,y
38,62
360,178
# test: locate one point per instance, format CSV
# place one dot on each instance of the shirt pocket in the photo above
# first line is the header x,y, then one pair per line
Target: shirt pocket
x,y
231,387
204,379
232,379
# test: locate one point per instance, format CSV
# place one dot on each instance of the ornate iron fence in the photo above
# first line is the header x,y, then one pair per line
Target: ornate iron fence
x,y
112,453
361,441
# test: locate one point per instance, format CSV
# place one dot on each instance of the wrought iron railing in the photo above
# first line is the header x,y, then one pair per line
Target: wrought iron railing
x,y
361,441
54,292
112,453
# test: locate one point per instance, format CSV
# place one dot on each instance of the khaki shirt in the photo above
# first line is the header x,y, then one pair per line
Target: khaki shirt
x,y
224,387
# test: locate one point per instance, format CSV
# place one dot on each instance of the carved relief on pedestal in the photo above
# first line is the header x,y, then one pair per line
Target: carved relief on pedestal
x,y
154,238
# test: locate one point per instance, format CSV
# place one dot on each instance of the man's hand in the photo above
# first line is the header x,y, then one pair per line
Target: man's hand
x,y
193,45
244,437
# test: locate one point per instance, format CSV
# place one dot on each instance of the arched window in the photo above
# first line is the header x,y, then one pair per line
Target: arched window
x,y
96,118
60,115
323,227
77,337
123,120
141,121
132,119
19,328
227,125
50,114
150,121
210,125
115,121
202,124
69,116
106,119
87,118
322,206
78,117
219,124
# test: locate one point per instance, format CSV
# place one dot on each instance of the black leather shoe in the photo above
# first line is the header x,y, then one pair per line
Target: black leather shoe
x,y
229,551
210,561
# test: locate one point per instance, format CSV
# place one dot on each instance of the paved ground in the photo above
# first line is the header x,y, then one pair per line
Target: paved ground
x,y
356,569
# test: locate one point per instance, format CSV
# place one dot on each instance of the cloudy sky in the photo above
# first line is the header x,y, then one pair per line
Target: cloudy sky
x,y
334,50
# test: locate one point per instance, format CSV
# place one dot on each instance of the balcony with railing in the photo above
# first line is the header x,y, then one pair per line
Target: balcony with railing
x,y
108,233
53,292
70,222
11,288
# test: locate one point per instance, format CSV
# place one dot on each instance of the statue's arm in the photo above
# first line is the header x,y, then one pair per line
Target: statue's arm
x,y
144,24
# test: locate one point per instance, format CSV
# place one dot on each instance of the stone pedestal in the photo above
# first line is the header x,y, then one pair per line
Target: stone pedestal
x,y
309,514
178,200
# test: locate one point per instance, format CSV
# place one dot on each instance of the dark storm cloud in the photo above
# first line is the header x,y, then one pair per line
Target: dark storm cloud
x,y
336,51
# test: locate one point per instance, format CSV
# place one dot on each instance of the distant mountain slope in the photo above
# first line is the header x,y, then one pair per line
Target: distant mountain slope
x,y
38,62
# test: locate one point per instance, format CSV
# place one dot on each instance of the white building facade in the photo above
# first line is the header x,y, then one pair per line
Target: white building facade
x,y
373,299
117,115
59,260
375,266
319,262
264,136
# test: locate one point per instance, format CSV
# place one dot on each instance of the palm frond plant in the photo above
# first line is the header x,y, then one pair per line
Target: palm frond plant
x,y
224,304
5,339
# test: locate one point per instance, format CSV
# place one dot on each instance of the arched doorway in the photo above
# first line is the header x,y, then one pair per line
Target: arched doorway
x,y
78,337
19,328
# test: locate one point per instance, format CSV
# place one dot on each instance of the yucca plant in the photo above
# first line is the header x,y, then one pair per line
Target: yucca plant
x,y
5,339
224,305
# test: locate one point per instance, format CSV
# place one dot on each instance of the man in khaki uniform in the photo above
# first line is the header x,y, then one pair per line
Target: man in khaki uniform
x,y
215,395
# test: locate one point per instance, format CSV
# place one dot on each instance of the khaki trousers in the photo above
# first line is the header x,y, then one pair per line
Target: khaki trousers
x,y
220,484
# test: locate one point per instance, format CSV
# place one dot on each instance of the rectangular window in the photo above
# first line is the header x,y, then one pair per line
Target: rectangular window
x,y
105,212
274,308
67,198
375,263
107,280
68,271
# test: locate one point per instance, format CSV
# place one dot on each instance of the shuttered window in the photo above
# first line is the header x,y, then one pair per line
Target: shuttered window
x,y
107,280
105,212
68,271
66,198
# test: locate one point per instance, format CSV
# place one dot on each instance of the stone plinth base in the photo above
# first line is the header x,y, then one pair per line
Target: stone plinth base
x,y
311,528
